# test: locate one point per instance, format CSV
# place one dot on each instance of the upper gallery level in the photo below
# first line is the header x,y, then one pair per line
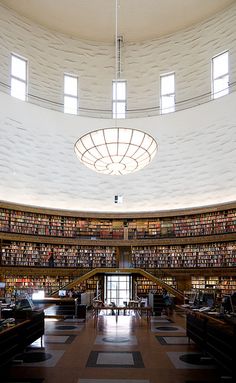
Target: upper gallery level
x,y
211,221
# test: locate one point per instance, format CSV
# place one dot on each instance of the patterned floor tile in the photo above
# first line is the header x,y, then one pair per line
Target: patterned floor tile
x,y
113,359
190,360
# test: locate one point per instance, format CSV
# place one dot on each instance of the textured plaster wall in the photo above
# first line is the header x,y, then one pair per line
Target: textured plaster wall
x,y
188,53
195,164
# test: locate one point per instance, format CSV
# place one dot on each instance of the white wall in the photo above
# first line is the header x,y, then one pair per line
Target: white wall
x,y
195,164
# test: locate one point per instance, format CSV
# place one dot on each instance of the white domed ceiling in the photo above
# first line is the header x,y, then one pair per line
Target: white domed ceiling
x,y
137,19
194,166
196,155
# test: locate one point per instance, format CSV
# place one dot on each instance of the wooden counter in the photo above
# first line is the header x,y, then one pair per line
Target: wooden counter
x,y
16,338
215,336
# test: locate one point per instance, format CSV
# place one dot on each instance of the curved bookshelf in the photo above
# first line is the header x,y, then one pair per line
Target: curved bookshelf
x,y
190,248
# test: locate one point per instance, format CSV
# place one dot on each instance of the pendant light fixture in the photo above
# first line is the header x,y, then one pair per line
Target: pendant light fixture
x,y
116,150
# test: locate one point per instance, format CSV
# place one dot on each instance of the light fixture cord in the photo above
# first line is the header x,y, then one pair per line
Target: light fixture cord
x,y
116,59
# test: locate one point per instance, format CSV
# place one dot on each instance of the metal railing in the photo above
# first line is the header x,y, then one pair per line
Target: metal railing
x,y
130,113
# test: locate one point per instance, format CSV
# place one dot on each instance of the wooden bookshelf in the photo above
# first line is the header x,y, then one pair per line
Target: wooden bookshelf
x,y
32,254
145,286
30,284
56,225
186,256
227,284
221,285
190,242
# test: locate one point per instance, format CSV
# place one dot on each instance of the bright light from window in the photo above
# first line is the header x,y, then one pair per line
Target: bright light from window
x,y
18,77
70,94
119,90
70,105
220,75
18,67
38,295
167,84
18,89
168,93
119,109
70,85
119,99
118,289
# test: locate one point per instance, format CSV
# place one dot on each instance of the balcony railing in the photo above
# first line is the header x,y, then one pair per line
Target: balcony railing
x,y
130,113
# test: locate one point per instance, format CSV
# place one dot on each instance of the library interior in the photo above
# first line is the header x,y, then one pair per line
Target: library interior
x,y
117,191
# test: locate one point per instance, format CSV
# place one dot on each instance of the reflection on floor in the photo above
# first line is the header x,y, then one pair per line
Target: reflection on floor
x,y
127,350
116,340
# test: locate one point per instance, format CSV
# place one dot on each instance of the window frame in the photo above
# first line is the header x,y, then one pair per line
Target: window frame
x,y
19,79
115,291
222,92
119,101
169,94
71,96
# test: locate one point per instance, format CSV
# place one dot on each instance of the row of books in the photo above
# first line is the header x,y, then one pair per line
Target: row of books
x,y
52,225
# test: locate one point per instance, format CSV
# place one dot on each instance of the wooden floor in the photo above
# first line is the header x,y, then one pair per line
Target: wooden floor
x,y
123,349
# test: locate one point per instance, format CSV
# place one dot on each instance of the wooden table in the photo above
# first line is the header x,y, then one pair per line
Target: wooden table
x,y
146,310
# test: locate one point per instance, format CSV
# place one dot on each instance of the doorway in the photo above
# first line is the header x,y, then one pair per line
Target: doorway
x,y
125,257
118,289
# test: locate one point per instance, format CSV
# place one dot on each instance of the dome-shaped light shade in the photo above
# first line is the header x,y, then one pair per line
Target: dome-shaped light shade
x,y
116,151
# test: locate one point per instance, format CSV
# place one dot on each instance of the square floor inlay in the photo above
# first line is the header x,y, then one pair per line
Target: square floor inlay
x,y
74,320
120,359
174,340
112,381
117,358
39,359
21,380
117,340
165,327
62,339
161,320
190,360
62,326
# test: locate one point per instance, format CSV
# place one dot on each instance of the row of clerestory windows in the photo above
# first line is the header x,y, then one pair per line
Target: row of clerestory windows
x,y
219,86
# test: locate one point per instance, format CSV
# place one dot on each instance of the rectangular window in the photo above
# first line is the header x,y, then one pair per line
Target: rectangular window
x,y
70,94
220,75
18,77
167,101
118,289
119,99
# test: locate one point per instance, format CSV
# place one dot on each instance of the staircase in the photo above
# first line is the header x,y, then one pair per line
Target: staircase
x,y
88,274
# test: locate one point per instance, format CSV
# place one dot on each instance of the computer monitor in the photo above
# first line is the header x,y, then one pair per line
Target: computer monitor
x,y
62,293
25,304
210,302
208,299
